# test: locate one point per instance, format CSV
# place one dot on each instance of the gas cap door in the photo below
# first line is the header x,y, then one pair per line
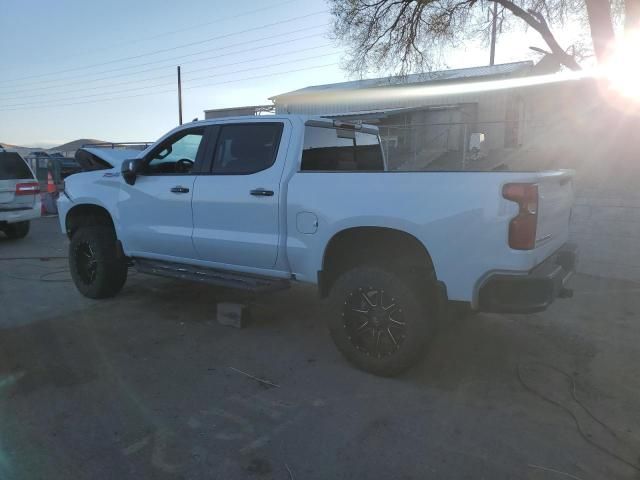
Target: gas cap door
x,y
307,222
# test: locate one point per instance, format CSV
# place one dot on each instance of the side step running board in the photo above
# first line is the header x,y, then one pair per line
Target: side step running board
x,y
221,278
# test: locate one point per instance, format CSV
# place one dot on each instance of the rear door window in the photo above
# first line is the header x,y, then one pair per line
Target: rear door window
x,y
332,149
13,167
244,149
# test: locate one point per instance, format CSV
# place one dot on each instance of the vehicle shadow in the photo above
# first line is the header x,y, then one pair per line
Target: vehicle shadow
x,y
154,359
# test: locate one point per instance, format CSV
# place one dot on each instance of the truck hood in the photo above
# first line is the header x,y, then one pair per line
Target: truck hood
x,y
104,158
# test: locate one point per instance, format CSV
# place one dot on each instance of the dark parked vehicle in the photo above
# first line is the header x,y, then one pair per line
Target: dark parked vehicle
x,y
64,166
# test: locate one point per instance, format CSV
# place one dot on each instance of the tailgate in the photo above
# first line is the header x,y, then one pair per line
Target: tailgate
x,y
8,198
555,198
14,170
7,191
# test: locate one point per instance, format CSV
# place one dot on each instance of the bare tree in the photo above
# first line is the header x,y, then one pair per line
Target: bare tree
x,y
409,35
601,26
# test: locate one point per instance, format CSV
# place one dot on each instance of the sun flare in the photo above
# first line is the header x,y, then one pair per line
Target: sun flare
x,y
622,70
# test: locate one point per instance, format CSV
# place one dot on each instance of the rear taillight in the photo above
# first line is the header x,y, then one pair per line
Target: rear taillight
x,y
522,228
27,188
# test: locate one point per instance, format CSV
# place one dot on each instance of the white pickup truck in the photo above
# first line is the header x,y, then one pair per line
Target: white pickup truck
x,y
258,202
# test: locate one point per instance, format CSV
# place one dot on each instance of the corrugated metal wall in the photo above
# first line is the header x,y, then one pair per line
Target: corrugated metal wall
x,y
489,111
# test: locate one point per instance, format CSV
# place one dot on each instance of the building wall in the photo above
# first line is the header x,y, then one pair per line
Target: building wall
x,y
492,102
574,126
483,112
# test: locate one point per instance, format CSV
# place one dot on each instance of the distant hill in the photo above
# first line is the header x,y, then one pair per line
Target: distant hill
x,y
8,145
21,150
74,145
67,148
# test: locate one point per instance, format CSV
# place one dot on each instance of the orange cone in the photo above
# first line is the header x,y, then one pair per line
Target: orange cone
x,y
51,187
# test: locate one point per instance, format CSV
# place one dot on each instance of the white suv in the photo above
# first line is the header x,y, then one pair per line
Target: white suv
x,y
19,195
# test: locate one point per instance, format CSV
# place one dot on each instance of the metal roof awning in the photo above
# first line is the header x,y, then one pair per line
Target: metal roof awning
x,y
379,114
484,72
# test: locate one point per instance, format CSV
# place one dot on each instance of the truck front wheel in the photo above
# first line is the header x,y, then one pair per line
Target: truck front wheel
x,y
379,320
96,268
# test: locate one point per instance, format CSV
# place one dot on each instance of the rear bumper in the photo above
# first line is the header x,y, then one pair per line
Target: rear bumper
x,y
533,292
22,215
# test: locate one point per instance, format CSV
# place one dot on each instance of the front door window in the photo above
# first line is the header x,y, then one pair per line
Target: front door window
x,y
177,155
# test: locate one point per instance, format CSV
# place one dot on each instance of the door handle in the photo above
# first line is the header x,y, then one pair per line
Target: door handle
x,y
179,189
261,192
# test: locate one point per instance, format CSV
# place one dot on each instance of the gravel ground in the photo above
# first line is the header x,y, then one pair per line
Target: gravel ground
x,y
149,385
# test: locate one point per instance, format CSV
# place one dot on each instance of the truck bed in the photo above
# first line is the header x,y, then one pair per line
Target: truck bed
x,y
460,217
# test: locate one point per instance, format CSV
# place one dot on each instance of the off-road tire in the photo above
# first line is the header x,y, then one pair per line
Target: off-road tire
x,y
109,268
17,230
418,311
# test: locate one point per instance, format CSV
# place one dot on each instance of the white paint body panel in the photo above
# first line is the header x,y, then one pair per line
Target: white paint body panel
x,y
231,226
460,217
154,220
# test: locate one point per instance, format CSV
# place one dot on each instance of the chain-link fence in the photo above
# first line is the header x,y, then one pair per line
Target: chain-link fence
x,y
451,146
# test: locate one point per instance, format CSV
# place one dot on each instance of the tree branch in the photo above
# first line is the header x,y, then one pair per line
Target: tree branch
x,y
536,21
410,34
602,35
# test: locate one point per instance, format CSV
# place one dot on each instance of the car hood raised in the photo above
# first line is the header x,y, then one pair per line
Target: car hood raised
x,y
104,158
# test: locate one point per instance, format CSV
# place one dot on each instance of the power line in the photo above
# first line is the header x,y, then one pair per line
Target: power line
x,y
168,49
273,74
262,76
179,58
186,29
144,87
128,82
166,83
203,77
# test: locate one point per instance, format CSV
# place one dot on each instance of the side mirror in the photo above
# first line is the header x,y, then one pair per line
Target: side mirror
x,y
130,169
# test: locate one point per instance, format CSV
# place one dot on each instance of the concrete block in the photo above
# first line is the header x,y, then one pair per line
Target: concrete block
x,y
235,315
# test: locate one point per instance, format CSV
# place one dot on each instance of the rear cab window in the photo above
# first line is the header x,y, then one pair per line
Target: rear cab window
x,y
13,167
327,148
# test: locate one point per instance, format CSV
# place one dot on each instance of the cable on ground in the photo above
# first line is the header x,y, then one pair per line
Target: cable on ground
x,y
582,433
41,258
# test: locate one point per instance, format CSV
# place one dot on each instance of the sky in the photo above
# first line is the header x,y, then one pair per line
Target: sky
x,y
107,70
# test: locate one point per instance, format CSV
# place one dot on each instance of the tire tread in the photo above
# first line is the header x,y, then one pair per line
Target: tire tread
x,y
415,300
112,268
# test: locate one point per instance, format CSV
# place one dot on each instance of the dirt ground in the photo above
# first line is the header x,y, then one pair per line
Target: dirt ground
x,y
149,385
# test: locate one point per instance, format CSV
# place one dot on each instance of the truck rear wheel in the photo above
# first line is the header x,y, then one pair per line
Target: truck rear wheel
x,y
96,268
379,320
18,230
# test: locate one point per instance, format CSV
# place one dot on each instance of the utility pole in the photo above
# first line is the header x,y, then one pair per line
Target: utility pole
x,y
179,96
494,27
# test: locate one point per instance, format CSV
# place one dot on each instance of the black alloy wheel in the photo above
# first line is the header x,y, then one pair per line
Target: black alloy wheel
x,y
87,263
374,321
380,319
